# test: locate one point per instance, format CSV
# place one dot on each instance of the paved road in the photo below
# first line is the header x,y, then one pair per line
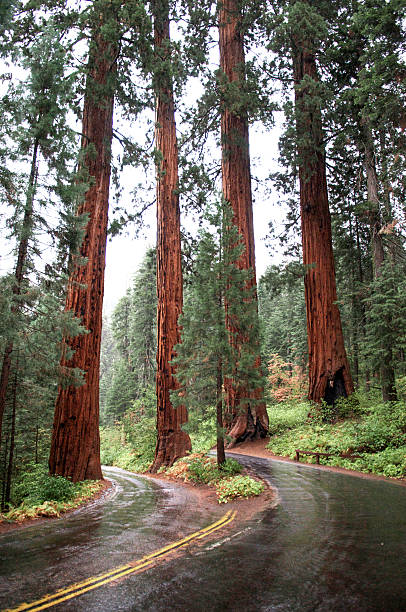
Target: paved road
x,y
335,542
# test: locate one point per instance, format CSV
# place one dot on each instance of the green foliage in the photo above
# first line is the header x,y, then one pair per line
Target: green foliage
x,y
230,467
226,478
35,487
37,494
286,415
238,487
201,428
374,431
386,317
212,348
129,444
202,470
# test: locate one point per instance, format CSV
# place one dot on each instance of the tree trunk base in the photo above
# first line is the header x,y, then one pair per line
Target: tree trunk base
x,y
171,445
335,388
249,426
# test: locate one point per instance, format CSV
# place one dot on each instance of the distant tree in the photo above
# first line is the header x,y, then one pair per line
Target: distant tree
x,y
282,314
142,324
129,345
108,354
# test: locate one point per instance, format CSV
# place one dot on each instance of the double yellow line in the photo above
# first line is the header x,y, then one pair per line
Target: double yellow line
x,y
119,572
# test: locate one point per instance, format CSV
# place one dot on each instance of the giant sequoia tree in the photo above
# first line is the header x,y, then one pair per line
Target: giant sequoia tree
x,y
329,373
172,442
253,419
75,449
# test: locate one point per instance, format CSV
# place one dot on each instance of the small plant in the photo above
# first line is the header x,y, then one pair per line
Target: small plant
x,y
230,467
237,487
203,470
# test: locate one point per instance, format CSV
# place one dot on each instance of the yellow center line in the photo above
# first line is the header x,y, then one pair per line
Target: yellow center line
x,y
95,582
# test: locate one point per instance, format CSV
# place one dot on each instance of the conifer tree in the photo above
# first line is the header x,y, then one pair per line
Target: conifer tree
x,y
329,372
35,114
367,66
172,442
208,355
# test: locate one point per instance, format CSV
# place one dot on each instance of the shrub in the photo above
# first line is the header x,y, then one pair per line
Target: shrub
x,y
230,467
287,415
35,486
203,470
29,508
237,486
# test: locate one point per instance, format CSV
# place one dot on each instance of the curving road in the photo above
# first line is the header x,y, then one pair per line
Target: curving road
x,y
335,542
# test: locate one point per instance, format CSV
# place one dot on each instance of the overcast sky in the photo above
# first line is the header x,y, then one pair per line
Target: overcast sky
x,y
124,254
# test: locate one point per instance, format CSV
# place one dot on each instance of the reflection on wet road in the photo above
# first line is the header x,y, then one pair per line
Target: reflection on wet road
x,y
335,542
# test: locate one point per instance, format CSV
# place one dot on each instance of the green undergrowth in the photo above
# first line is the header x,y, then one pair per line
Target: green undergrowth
x,y
36,494
362,426
227,479
129,445
237,487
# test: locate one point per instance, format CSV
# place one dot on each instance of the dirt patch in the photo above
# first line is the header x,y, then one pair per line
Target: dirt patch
x,y
105,490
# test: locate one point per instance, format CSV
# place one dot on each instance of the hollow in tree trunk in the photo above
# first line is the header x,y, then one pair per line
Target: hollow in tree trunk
x,y
75,448
329,372
172,442
253,421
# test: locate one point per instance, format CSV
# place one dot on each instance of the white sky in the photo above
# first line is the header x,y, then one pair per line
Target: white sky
x,y
124,254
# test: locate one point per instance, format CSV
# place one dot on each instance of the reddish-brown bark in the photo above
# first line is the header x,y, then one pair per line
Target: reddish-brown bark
x,y
329,372
236,177
172,442
75,448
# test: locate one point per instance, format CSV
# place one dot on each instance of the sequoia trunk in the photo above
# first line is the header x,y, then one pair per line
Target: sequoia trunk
x,y
329,372
75,448
253,421
172,442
